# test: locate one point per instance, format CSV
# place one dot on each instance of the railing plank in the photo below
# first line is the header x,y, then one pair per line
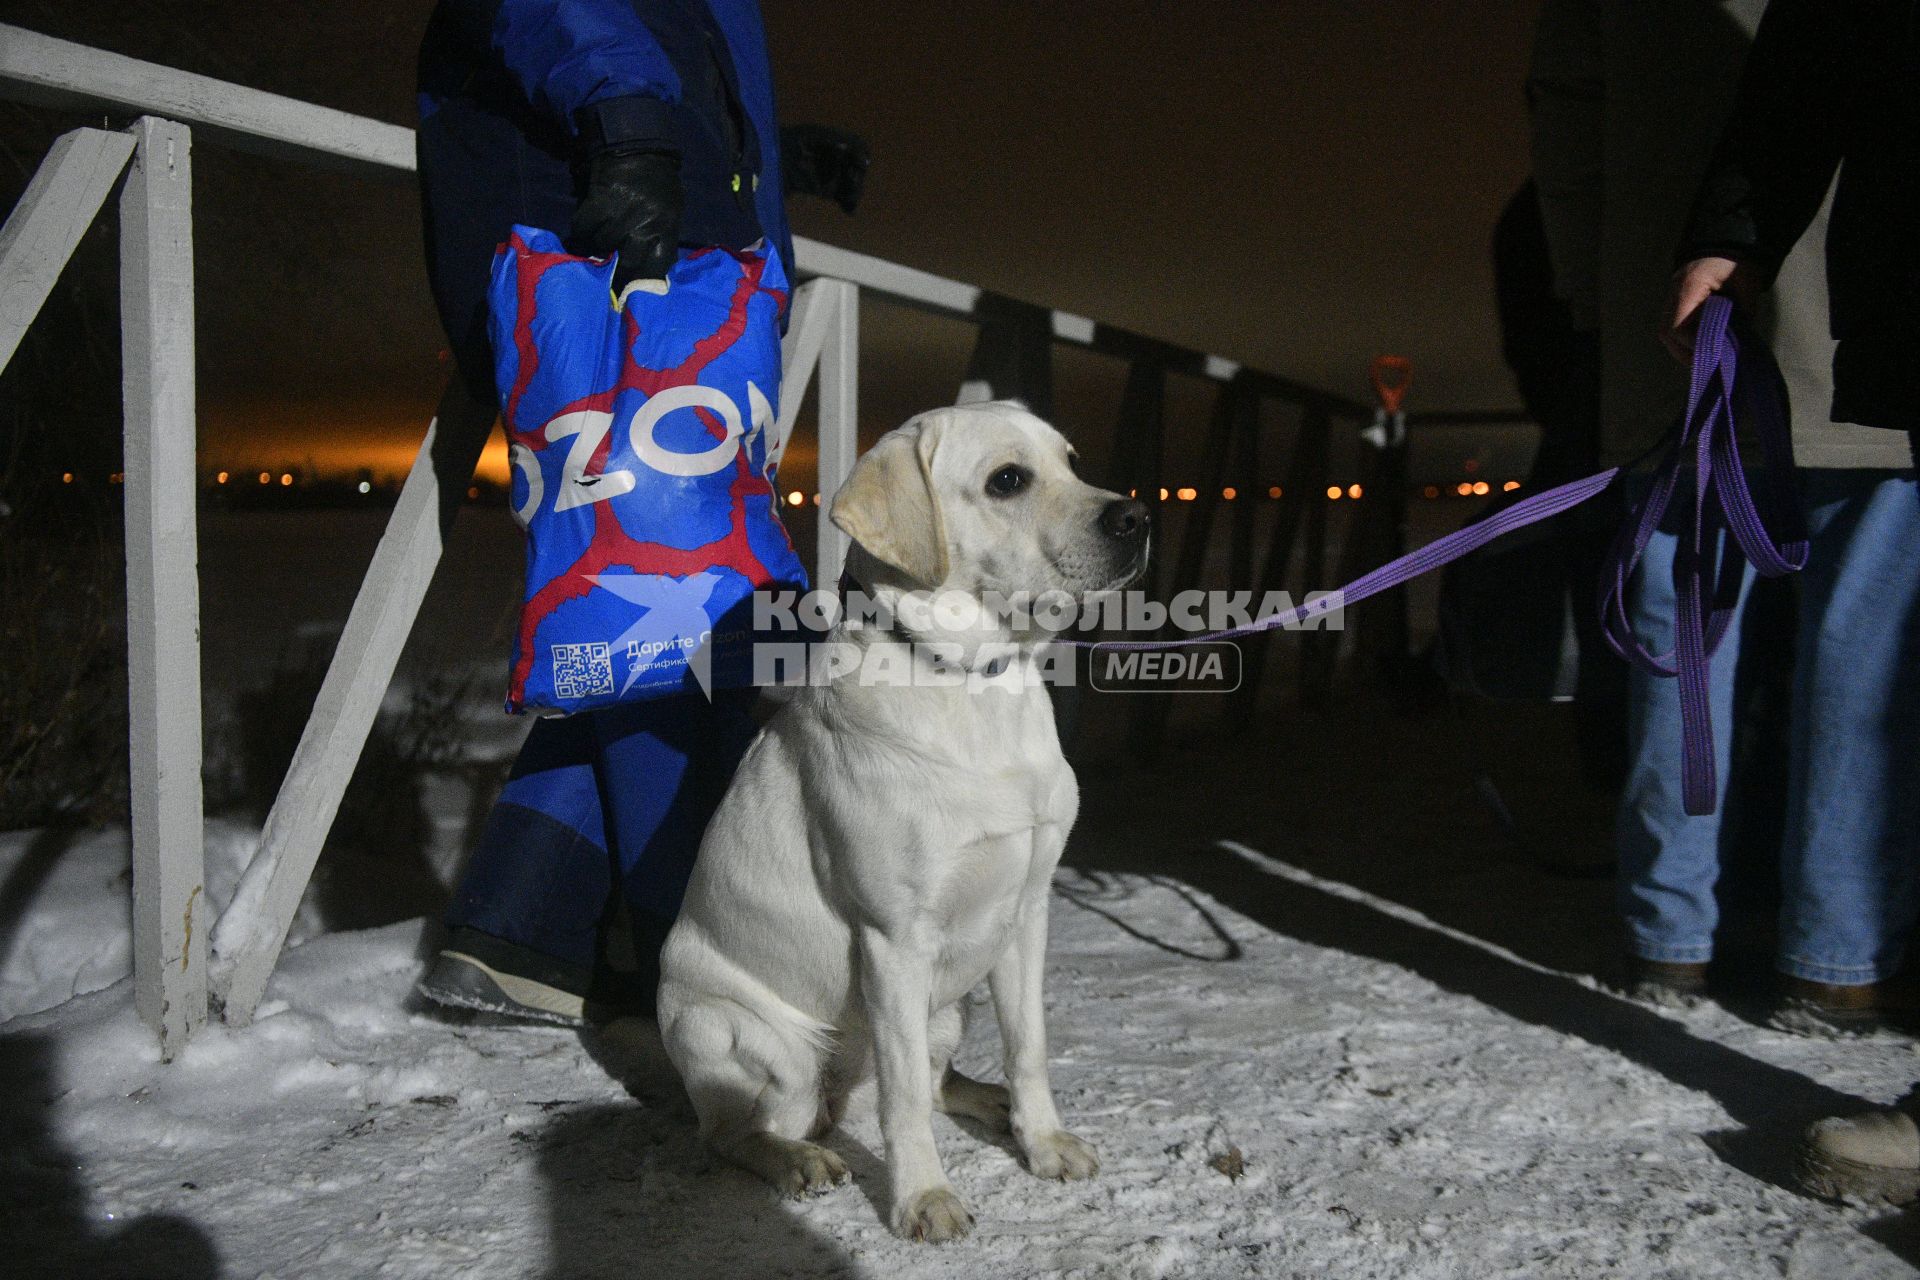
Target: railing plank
x,y
908,283
163,590
806,337
60,73
49,222
252,930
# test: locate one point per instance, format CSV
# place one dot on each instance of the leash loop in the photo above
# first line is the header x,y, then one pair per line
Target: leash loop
x,y
1726,528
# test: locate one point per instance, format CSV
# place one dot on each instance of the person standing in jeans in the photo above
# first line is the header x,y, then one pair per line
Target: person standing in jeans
x,y
1625,135
1827,83
1834,85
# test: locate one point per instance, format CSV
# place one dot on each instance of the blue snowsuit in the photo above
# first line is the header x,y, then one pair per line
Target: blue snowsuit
x,y
513,94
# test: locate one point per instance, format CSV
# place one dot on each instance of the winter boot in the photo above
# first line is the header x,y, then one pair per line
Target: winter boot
x,y
1870,1158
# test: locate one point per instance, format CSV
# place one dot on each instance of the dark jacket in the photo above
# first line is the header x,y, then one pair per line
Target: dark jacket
x,y
1832,85
515,93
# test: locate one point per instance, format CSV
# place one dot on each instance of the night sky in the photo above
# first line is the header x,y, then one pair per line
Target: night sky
x,y
1295,185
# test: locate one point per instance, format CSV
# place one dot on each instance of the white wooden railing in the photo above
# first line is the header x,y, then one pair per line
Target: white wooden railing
x,y
184,962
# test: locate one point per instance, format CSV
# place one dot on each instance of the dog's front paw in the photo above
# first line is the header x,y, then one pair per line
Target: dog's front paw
x,y
1061,1156
934,1216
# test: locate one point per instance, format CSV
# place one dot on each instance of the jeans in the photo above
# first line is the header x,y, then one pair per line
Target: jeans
x,y
1852,836
603,810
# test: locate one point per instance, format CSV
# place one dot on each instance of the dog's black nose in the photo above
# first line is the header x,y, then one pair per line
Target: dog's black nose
x,y
1125,518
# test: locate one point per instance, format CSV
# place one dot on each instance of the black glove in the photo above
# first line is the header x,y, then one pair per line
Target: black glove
x,y
632,207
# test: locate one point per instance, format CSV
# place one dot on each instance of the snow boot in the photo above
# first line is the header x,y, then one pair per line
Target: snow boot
x,y
1871,1158
1832,1011
475,970
1665,984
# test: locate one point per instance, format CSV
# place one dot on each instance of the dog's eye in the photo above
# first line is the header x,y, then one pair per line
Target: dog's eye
x,y
1008,481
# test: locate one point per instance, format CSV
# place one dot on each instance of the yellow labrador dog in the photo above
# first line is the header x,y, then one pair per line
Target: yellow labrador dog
x,y
887,845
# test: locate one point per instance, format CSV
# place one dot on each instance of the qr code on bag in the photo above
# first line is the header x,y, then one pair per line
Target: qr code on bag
x,y
581,670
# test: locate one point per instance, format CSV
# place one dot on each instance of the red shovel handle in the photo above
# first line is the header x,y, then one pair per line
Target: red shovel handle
x,y
1392,375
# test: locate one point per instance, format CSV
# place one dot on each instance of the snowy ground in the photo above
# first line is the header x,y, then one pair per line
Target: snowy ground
x,y
1381,1124
1390,1015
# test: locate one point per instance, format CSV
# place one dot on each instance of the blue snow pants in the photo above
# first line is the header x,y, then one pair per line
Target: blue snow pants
x,y
602,809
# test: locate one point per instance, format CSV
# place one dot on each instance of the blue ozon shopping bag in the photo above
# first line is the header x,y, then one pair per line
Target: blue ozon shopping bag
x,y
640,435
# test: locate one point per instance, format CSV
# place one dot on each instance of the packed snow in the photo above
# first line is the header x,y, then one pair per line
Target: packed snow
x,y
1263,1106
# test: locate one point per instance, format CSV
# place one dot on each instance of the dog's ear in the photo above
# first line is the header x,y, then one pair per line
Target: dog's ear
x,y
888,504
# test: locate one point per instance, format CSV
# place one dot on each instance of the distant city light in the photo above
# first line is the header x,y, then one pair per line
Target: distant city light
x,y
1274,491
1333,492
1163,495
1510,486
366,486
66,477
1464,489
286,479
1353,491
265,478
795,498
1480,487
1187,495
118,477
816,499
473,493
1470,466
1431,491
1229,493
221,478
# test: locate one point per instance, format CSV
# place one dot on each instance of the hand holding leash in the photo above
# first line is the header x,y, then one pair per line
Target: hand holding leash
x,y
1693,284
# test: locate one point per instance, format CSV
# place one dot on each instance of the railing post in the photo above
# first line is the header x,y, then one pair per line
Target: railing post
x,y
1376,533
1138,460
1138,449
1320,648
1246,480
839,420
170,915
1235,409
1301,502
1012,356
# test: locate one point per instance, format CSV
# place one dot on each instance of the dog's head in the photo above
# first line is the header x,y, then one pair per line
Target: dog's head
x,y
982,498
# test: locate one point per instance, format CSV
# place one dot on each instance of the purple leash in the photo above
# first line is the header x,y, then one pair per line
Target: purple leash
x,y
1440,551
1704,467
1705,460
